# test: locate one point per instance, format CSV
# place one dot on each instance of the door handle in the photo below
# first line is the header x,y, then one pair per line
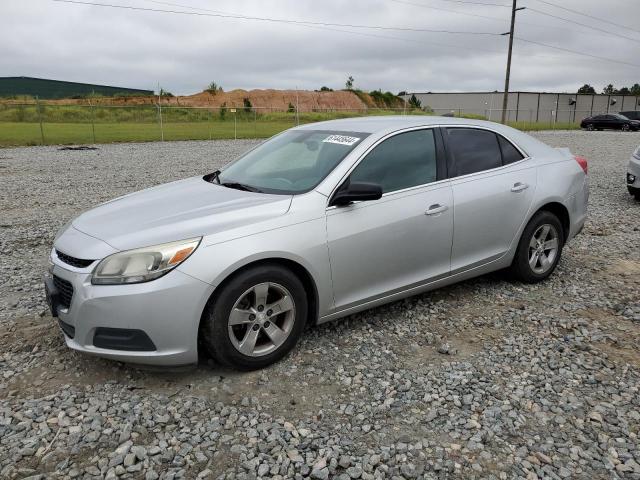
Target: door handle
x,y
436,209
519,186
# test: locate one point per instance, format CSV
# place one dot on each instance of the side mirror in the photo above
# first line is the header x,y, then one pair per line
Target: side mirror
x,y
356,192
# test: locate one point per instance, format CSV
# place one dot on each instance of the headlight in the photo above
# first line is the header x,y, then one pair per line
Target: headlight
x,y
636,153
143,264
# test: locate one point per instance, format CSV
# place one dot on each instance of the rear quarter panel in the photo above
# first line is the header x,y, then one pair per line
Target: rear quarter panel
x,y
561,180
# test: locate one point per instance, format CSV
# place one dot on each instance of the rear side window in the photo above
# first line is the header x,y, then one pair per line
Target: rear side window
x,y
510,154
473,150
402,161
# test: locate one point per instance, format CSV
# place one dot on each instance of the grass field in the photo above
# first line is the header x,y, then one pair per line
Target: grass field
x,y
62,125
16,134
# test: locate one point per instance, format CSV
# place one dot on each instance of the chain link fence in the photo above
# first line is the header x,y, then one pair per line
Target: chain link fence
x,y
40,123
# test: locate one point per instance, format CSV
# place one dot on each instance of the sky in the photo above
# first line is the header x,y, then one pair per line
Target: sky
x,y
184,53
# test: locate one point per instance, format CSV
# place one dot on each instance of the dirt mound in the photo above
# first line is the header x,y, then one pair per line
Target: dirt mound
x,y
276,100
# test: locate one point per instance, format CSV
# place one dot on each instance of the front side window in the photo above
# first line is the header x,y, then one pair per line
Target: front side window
x,y
291,163
473,150
405,160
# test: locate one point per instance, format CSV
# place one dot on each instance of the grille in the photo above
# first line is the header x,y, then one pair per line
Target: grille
x,y
65,289
73,261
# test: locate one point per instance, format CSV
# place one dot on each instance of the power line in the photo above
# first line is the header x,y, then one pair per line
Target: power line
x,y
575,52
588,16
477,3
487,17
388,37
277,20
583,24
467,14
326,26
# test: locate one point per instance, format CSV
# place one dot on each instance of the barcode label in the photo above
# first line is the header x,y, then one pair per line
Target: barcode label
x,y
341,140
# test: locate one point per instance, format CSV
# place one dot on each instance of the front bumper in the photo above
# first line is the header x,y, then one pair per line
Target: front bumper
x,y
167,311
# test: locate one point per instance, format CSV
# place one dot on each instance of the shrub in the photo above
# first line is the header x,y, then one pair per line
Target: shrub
x,y
247,104
349,83
414,102
213,88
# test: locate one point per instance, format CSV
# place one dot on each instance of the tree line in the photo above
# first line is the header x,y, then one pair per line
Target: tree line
x,y
611,90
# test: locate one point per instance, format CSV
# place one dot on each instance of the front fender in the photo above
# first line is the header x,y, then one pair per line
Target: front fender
x,y
303,243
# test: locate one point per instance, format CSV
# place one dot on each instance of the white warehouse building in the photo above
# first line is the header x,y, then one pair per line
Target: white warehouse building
x,y
527,106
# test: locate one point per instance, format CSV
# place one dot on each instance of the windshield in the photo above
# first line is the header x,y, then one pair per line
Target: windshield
x,y
620,117
292,162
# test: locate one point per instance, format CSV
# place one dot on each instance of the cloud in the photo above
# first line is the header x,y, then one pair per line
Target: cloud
x,y
42,38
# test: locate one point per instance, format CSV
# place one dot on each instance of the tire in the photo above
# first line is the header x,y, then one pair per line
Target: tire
x,y
538,270
273,334
625,128
590,127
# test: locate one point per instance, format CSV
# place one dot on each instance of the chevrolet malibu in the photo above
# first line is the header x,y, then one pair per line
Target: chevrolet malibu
x,y
317,223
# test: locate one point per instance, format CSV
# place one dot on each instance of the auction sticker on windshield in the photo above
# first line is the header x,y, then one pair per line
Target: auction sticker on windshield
x,y
341,140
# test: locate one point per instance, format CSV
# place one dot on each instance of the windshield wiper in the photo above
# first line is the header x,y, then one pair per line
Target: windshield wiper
x,y
241,186
211,177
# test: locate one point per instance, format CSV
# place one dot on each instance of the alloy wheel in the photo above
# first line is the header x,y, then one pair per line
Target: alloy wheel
x,y
590,127
261,319
543,248
625,128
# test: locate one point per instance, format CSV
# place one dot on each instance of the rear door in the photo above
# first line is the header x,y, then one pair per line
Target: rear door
x,y
493,187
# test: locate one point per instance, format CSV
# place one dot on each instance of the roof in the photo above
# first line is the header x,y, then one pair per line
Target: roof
x,y
408,94
379,126
384,123
47,88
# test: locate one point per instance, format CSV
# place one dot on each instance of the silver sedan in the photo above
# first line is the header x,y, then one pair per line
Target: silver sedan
x,y
317,223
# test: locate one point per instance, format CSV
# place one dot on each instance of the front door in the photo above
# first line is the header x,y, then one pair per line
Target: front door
x,y
401,240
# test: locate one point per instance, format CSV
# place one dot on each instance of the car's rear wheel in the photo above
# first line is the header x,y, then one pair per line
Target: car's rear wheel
x,y
590,127
539,249
256,318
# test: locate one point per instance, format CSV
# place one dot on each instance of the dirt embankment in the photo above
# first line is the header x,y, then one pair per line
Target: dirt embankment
x,y
278,100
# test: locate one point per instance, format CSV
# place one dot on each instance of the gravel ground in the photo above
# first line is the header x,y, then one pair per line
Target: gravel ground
x,y
484,379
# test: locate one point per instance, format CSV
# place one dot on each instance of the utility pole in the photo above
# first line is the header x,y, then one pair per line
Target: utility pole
x,y
505,98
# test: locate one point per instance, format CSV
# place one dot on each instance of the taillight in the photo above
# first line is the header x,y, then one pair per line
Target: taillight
x,y
583,163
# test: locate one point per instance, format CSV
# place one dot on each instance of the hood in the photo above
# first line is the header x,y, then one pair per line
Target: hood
x,y
175,211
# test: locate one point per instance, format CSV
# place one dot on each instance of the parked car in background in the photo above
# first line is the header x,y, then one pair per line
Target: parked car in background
x,y
633,174
319,222
610,121
632,114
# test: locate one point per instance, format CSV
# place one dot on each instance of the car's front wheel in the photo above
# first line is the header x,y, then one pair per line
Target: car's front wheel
x,y
539,249
625,128
256,318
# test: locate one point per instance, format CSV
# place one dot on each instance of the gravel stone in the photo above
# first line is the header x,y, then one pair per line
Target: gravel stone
x,y
536,381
